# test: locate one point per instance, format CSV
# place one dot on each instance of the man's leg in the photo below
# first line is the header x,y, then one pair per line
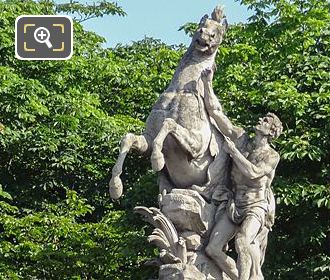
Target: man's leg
x,y
223,231
245,236
255,272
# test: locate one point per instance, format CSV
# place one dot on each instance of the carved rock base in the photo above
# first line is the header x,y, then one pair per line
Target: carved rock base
x,y
181,229
180,272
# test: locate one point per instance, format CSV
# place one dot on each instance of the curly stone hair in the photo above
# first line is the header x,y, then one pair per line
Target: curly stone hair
x,y
276,128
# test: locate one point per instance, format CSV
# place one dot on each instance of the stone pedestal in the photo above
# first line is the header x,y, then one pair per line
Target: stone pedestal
x,y
182,225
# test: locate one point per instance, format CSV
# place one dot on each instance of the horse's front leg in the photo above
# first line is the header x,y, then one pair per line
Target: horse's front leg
x,y
188,141
137,142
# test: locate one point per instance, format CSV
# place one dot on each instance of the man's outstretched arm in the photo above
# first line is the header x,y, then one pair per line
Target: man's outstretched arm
x,y
250,170
214,108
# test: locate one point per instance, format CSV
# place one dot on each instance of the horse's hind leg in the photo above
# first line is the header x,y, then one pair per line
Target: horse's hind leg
x,y
189,142
137,142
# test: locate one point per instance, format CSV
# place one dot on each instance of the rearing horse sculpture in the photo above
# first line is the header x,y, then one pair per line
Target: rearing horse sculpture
x,y
178,130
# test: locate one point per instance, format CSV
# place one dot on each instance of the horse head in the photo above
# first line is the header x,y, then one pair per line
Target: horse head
x,y
210,32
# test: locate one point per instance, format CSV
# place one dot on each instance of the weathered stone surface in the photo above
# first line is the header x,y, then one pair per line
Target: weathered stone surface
x,y
207,266
193,240
180,272
188,210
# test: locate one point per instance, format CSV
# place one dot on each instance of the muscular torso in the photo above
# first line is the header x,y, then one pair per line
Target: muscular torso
x,y
249,191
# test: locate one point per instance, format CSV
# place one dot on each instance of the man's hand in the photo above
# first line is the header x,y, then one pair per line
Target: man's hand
x,y
229,145
207,75
210,100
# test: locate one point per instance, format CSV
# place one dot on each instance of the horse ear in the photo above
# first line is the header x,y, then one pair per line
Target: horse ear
x,y
225,24
203,19
218,14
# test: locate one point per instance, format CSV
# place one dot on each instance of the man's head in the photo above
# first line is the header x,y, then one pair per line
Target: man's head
x,y
210,32
270,126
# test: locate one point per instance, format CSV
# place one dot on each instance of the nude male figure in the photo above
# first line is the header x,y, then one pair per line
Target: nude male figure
x,y
253,169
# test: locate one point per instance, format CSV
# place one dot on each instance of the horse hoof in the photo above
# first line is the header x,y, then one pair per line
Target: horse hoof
x,y
157,161
115,187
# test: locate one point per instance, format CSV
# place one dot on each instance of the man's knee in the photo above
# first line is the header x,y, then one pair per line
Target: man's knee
x,y
216,254
211,251
215,250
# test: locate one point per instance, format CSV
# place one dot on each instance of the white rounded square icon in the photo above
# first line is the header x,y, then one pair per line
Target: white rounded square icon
x,y
43,37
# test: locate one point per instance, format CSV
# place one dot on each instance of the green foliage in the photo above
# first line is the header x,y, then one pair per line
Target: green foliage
x,y
60,135
130,78
88,11
61,122
64,119
54,243
189,28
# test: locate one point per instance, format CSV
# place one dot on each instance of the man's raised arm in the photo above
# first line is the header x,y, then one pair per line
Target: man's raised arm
x,y
249,169
214,108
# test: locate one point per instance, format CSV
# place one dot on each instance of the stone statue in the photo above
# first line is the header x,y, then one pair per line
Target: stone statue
x,y
214,181
250,210
178,123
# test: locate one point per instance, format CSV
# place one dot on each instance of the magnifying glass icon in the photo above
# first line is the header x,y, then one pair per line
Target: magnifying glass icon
x,y
41,35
